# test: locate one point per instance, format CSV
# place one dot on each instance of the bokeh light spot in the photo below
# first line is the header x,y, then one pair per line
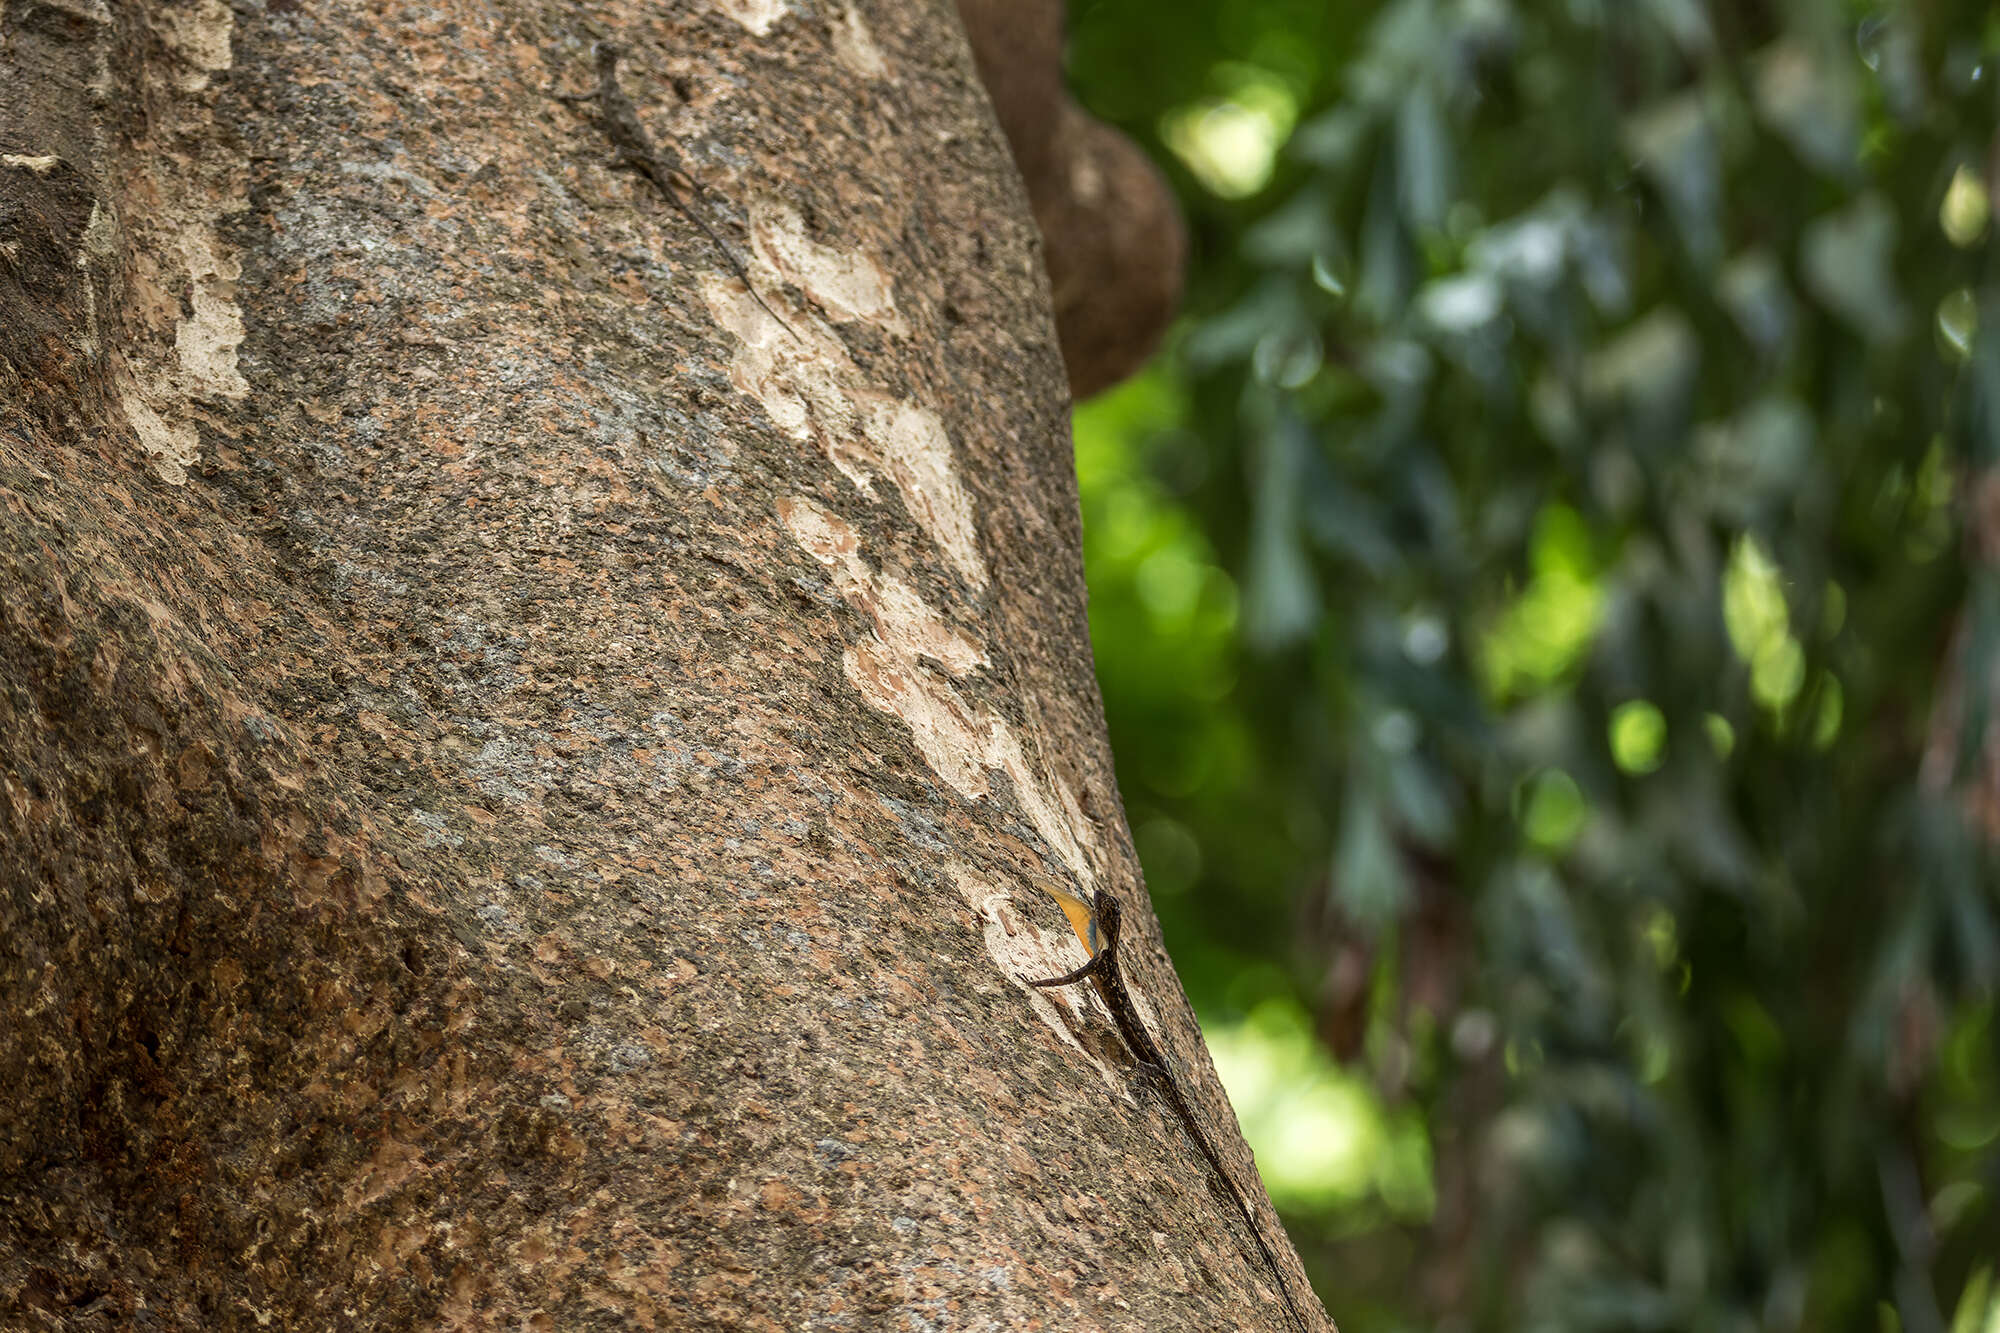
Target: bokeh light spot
x,y
1554,811
1322,1136
1638,736
1965,210
1231,142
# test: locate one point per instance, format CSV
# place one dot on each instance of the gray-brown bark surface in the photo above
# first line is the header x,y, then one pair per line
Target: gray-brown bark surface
x,y
526,791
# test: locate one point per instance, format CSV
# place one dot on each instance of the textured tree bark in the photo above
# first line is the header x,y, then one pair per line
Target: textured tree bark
x,y
526,790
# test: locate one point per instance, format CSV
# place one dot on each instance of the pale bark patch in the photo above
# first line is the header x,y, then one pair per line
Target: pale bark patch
x,y
200,34
959,740
854,46
912,442
756,16
847,284
903,620
812,389
207,339
100,250
179,229
169,446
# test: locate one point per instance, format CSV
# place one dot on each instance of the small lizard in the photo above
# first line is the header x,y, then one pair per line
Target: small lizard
x,y
619,120
1103,969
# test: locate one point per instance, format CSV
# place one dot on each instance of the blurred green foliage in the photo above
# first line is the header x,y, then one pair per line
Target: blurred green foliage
x,y
1527,592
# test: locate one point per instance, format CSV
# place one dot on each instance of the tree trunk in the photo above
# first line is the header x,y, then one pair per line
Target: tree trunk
x,y
529,786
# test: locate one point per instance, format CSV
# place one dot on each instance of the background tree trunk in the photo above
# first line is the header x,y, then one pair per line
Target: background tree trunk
x,y
527,790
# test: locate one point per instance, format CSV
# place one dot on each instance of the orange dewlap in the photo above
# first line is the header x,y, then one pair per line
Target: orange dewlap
x,y
1080,920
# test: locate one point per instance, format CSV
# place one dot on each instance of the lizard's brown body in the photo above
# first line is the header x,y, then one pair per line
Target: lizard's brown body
x,y
1103,969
